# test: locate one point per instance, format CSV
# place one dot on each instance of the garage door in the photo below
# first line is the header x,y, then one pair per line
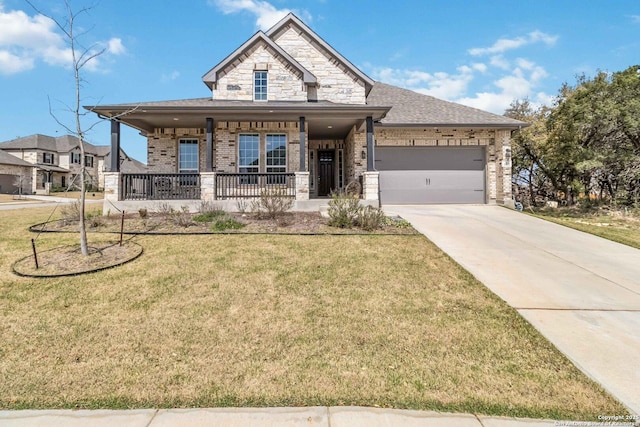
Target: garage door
x,y
7,184
421,175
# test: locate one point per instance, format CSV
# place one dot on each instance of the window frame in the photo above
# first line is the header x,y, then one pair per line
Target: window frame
x,y
88,157
75,158
255,154
261,91
281,168
188,142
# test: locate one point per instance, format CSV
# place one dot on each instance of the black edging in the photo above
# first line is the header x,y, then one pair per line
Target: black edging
x,y
206,233
77,273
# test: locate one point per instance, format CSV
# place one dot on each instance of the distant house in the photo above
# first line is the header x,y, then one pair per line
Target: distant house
x,y
285,111
56,162
15,175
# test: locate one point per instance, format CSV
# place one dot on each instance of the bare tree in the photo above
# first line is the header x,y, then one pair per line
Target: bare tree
x,y
81,56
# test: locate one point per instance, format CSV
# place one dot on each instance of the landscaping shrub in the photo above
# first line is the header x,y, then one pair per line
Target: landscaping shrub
x,y
182,217
343,210
209,216
71,211
370,218
226,222
143,213
271,204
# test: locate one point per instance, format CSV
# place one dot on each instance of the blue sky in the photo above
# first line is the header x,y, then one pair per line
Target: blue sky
x,y
479,53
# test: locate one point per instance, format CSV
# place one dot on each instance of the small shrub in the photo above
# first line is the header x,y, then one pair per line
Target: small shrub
x,y
96,221
182,217
370,218
71,211
143,213
226,223
164,209
209,216
343,210
271,204
242,205
397,222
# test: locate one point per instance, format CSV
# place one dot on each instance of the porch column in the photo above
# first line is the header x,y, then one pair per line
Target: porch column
x,y
370,149
208,167
115,146
303,137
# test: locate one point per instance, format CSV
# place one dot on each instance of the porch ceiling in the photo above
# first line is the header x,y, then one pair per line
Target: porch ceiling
x,y
326,120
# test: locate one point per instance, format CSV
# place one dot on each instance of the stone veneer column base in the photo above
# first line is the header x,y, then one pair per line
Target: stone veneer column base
x,y
370,185
302,185
208,186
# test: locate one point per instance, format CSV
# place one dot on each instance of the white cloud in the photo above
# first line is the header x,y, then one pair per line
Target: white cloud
x,y
500,62
115,46
266,14
170,77
25,39
439,84
503,45
635,19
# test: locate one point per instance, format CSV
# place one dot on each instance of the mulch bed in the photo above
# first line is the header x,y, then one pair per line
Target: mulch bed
x,y
183,223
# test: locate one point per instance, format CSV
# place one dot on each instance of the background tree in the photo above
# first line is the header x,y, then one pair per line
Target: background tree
x,y
80,57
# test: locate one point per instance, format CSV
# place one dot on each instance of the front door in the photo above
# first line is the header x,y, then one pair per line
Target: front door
x,y
326,175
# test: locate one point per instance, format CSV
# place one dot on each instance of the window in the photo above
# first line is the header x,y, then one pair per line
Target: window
x,y
88,161
75,158
340,169
248,157
276,157
48,158
260,86
312,174
188,155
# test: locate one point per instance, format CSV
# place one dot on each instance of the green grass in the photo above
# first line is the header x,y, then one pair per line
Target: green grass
x,y
266,320
612,225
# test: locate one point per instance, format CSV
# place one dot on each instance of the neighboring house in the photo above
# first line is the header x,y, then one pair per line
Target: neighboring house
x,y
56,162
15,175
287,111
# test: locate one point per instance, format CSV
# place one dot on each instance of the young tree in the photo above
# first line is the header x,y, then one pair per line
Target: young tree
x,y
80,57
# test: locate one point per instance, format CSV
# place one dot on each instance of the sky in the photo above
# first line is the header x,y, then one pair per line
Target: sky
x,y
481,53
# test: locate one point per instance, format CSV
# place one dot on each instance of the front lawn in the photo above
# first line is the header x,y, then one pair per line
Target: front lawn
x,y
617,225
272,320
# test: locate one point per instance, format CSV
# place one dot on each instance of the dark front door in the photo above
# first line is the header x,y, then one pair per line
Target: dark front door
x,y
326,175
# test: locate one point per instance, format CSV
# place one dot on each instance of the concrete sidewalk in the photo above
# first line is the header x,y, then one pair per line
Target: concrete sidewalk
x,y
260,417
580,291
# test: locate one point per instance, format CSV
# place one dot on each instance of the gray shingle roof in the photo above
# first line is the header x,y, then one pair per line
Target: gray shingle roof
x,y
8,159
61,144
412,109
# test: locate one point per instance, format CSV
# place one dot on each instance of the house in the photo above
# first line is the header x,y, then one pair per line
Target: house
x,y
287,112
15,175
55,161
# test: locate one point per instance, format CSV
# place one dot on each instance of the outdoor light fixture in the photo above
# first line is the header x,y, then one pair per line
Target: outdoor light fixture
x,y
363,154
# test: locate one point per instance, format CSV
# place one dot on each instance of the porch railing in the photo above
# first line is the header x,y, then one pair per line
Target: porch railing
x,y
160,186
244,185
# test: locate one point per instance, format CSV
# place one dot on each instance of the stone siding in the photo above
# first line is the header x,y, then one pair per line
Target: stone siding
x,y
335,82
283,82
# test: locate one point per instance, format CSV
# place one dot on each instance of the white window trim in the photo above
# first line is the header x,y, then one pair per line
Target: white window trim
x,y
197,143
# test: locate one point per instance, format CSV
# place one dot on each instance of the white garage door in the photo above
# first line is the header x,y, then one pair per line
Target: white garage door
x,y
423,175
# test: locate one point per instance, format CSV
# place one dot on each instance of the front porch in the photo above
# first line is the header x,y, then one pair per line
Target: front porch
x,y
228,191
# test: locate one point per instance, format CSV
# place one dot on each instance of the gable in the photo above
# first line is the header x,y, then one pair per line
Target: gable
x,y
236,80
338,79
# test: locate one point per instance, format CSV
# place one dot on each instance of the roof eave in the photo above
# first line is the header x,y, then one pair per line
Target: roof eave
x,y
512,126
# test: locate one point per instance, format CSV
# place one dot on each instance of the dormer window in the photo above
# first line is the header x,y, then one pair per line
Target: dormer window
x,y
260,86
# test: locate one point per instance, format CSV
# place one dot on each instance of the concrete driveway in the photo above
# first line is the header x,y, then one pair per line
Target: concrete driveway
x,y
580,291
